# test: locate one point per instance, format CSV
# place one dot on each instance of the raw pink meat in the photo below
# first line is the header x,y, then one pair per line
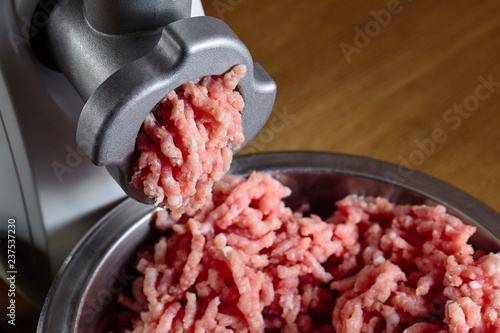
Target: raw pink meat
x,y
247,263
184,143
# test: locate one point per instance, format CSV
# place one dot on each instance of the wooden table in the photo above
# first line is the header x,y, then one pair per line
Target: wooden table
x,y
416,83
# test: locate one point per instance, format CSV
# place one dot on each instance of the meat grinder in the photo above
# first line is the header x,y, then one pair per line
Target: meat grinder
x,y
77,78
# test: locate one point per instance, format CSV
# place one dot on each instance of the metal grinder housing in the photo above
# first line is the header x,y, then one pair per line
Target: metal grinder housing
x,y
94,68
124,56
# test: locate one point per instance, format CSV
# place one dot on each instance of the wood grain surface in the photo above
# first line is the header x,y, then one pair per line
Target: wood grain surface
x,y
415,83
392,80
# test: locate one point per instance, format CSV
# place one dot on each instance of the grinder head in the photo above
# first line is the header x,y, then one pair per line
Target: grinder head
x,y
188,49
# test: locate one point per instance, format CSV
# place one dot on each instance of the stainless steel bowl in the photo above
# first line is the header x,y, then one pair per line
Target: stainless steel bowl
x,y
82,297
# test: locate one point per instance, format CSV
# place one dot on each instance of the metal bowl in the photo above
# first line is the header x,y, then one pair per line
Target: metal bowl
x,y
83,295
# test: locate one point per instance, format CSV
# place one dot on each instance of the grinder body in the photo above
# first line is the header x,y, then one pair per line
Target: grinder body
x,y
50,190
124,56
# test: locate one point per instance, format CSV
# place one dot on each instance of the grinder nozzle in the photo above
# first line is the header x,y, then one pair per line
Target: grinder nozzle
x,y
188,49
124,76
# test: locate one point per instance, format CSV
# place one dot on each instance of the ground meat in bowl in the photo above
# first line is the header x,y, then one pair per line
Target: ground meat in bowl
x,y
247,263
184,145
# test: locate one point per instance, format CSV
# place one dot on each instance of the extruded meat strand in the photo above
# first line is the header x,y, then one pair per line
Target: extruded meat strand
x,y
184,145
